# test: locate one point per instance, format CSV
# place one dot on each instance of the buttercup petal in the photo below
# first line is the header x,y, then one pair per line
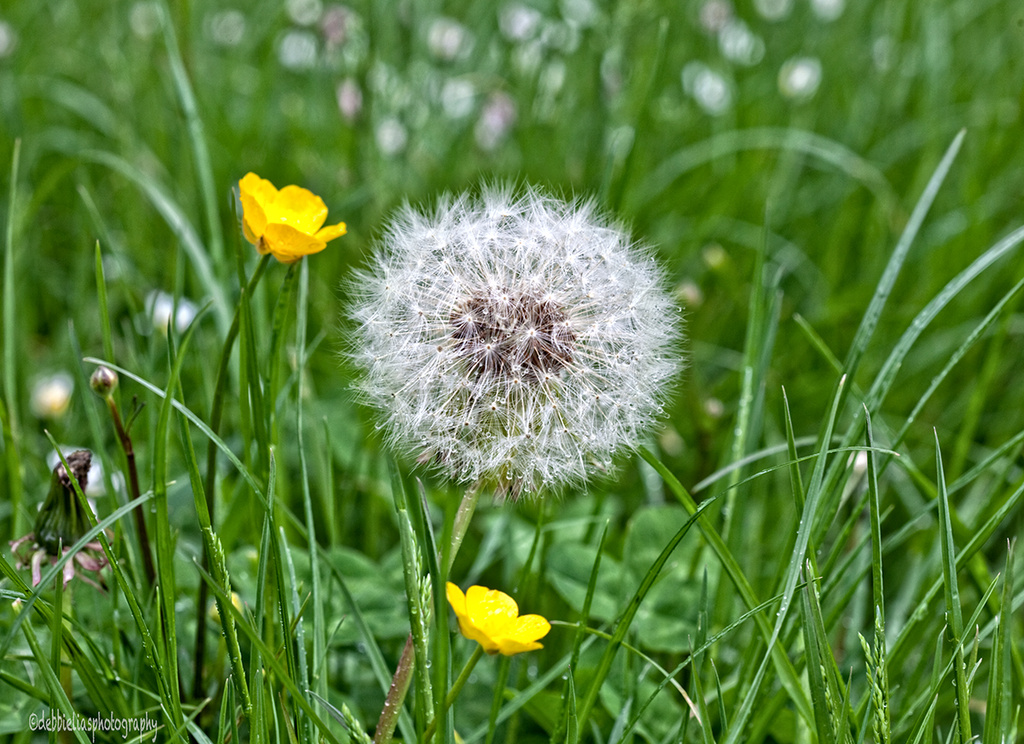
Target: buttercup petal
x,y
256,194
287,244
456,598
531,627
491,610
331,232
510,647
300,208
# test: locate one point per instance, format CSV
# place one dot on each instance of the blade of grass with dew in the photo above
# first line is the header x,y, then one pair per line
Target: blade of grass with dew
x,y
164,542
11,418
978,538
296,631
951,592
833,682
577,641
271,661
813,645
626,618
215,559
803,539
58,697
412,570
869,321
250,479
880,682
887,374
961,351
373,650
784,667
998,718
909,708
318,681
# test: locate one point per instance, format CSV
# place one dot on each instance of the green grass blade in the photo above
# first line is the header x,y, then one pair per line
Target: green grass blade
x,y
626,618
813,644
11,417
784,667
951,592
197,138
869,322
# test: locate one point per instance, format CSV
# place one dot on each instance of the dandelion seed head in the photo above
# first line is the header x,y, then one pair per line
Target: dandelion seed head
x,y
530,343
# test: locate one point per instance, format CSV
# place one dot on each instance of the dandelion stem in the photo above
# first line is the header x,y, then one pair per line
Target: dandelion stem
x,y
456,689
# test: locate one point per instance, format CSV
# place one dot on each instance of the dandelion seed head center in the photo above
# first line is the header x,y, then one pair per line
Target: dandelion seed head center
x,y
499,331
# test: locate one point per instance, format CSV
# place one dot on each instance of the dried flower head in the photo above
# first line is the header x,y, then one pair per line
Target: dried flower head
x,y
519,341
60,524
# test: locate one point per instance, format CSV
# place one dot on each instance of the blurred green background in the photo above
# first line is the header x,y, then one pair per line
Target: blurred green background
x,y
712,128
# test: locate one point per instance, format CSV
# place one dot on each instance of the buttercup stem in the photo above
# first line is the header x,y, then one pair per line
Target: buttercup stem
x,y
456,689
403,672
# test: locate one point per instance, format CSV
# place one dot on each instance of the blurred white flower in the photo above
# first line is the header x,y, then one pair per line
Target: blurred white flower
x,y
448,39
304,12
161,309
457,98
335,24
714,15
296,50
515,341
350,98
51,395
496,120
8,39
579,12
144,18
391,136
828,10
518,22
690,294
800,77
739,44
714,408
773,10
227,27
709,88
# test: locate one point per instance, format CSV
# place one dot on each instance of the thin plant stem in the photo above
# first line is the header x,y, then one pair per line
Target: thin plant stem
x,y
133,488
403,672
456,689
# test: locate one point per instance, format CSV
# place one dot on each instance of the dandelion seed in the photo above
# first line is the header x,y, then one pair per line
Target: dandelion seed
x,y
162,311
510,357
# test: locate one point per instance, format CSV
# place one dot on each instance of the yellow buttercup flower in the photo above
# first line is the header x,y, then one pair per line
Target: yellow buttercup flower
x,y
288,223
491,618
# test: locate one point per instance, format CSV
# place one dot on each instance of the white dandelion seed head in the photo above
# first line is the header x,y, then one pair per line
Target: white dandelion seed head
x,y
514,340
